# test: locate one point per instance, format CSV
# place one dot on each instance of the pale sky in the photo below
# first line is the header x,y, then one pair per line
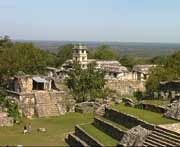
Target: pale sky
x,y
91,20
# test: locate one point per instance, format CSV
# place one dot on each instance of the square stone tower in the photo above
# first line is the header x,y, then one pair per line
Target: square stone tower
x,y
80,55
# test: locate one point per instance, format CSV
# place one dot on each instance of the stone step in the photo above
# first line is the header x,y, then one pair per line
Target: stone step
x,y
47,114
47,105
162,131
99,135
148,144
172,132
154,143
166,136
160,141
123,128
75,141
47,110
165,139
109,128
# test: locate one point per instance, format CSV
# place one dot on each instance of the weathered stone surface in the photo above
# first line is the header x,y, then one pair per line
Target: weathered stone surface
x,y
99,100
128,102
5,121
117,101
125,87
150,107
134,136
41,129
173,110
108,128
127,120
85,107
91,107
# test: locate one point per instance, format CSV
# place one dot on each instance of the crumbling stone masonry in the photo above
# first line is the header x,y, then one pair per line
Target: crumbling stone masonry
x,y
5,121
170,90
39,96
125,87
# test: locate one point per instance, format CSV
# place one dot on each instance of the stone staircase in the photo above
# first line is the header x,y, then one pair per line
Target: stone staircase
x,y
162,137
106,132
103,128
46,105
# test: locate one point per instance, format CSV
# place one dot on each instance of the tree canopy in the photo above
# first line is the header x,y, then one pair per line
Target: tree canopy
x,y
16,57
86,84
129,61
65,52
103,53
23,57
167,72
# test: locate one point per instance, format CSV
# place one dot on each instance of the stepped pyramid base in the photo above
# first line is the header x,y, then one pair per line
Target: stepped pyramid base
x,y
46,105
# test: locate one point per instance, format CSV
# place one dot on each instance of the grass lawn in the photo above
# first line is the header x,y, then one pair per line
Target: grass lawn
x,y
57,129
99,135
151,117
123,128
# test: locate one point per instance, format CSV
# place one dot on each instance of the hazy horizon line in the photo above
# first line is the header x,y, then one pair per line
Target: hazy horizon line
x,y
94,41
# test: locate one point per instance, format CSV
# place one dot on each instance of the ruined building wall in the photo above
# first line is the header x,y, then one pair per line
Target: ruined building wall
x,y
125,87
23,84
27,105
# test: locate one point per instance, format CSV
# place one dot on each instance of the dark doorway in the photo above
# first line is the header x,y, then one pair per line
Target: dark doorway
x,y
38,86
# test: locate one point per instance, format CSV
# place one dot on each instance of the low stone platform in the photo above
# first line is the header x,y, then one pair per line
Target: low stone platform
x,y
172,127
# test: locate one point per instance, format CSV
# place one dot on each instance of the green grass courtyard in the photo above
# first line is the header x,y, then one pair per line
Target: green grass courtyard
x,y
57,129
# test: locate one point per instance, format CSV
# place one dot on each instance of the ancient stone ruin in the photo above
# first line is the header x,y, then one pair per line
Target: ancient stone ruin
x,y
39,96
5,120
173,110
135,136
125,87
170,90
141,72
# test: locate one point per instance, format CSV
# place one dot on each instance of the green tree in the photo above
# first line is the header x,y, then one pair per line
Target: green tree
x,y
167,72
129,61
86,84
104,53
64,54
5,42
159,60
24,57
16,57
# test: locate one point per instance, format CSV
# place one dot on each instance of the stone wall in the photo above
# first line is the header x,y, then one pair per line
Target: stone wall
x,y
91,141
125,87
153,108
72,140
27,105
84,110
109,128
5,121
25,101
125,119
23,84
